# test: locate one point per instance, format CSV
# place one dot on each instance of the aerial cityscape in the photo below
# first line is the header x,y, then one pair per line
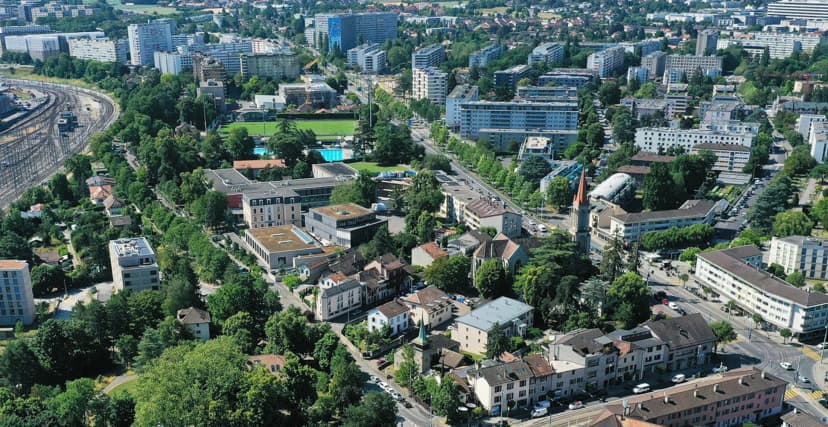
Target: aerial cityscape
x,y
448,213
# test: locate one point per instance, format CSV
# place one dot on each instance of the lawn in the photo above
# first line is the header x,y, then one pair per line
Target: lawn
x,y
319,127
128,387
147,9
373,168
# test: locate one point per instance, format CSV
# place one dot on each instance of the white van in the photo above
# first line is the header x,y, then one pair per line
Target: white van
x,y
679,378
641,388
542,228
540,412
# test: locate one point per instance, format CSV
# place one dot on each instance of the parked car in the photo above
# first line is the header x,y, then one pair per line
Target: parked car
x,y
679,378
673,305
822,345
540,412
641,388
786,366
720,369
576,405
804,379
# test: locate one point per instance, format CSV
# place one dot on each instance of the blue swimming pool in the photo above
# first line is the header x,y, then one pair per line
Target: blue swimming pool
x,y
260,151
331,154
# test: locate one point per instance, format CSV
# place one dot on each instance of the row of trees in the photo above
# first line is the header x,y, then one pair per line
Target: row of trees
x,y
675,237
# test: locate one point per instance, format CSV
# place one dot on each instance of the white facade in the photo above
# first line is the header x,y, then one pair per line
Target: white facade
x,y
430,83
631,227
146,39
134,265
733,274
606,61
368,57
337,296
99,50
17,301
804,121
391,314
656,139
272,209
460,94
523,115
169,62
729,158
429,56
808,255
482,57
805,9
550,53
818,141
690,64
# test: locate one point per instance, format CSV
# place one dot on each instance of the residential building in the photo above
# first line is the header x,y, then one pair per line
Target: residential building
x,y
368,57
206,68
691,64
547,93
579,217
706,42
818,141
719,111
39,47
273,363
461,94
522,116
170,62
569,169
134,265
495,386
511,255
383,278
661,139
283,65
735,275
537,146
732,398
638,73
596,353
216,91
430,307
779,45
797,418
392,314
511,76
654,63
630,227
729,158
804,121
456,197
146,39
102,50
338,295
607,61
269,102
425,254
197,321
17,298
805,254
348,225
572,80
482,57
430,83
550,53
313,94
271,207
798,9
345,30
648,107
689,340
112,206
473,329
428,56
486,213
503,139
279,246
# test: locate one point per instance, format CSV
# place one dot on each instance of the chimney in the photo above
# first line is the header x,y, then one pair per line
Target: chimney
x,y
715,388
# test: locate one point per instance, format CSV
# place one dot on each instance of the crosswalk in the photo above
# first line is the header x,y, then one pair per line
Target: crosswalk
x,y
816,394
791,393
810,353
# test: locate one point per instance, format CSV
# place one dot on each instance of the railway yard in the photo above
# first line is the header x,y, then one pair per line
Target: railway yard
x,y
35,145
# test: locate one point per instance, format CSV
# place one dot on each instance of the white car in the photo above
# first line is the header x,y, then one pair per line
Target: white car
x,y
822,345
786,366
804,380
576,405
384,386
375,379
679,378
720,369
672,305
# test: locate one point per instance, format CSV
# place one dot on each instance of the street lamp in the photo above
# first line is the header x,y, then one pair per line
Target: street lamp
x,y
822,344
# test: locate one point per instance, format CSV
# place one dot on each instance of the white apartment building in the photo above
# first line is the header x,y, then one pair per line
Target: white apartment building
x,y
655,140
338,295
16,298
171,62
429,56
146,39
803,9
818,141
486,213
808,255
473,329
272,208
607,61
804,121
134,265
482,57
391,314
368,57
430,83
102,50
478,115
729,158
630,227
551,53
735,274
459,95
690,64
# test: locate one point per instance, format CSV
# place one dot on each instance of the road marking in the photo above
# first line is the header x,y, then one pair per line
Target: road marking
x,y
791,393
816,394
810,353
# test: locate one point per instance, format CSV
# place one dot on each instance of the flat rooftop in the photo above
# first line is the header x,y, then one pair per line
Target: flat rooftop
x,y
343,211
283,238
229,181
11,264
132,247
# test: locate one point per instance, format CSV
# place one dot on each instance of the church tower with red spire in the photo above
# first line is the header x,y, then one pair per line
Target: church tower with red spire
x,y
579,217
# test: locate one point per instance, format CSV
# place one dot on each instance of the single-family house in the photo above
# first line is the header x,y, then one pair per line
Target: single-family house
x,y
197,321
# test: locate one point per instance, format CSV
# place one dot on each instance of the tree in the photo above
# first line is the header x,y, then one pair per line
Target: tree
x,y
243,330
491,279
239,144
450,274
376,410
559,193
792,223
425,227
534,168
723,331
289,330
127,347
796,279
820,212
631,296
59,186
609,94
446,399
249,295
286,146
498,341
612,261
424,194
20,365
757,320
408,370
659,190
180,293
210,209
785,333
346,379
684,278
46,278
363,191
771,202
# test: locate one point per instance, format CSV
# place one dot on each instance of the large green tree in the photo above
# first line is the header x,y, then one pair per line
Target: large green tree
x,y
450,274
792,223
491,279
559,193
631,298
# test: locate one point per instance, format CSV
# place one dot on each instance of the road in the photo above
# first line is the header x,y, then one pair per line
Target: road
x,y
32,149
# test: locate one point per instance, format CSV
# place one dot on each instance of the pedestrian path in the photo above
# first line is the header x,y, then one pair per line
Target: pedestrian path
x,y
791,393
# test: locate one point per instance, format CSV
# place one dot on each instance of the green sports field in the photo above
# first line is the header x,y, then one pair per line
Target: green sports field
x,y
319,127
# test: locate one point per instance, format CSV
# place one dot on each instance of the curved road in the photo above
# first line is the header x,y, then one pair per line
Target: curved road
x,y
32,149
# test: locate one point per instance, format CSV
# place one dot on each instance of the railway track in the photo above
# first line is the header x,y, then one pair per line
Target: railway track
x,y
33,149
